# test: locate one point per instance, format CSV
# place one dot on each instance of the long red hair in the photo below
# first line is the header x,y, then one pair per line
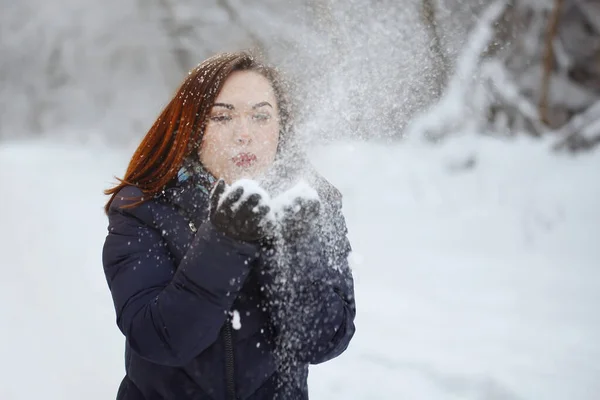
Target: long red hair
x,y
178,130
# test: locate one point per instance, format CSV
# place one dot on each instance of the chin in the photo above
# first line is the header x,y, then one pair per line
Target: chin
x,y
246,173
237,175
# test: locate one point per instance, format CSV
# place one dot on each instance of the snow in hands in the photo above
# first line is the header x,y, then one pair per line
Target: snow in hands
x,y
249,188
288,200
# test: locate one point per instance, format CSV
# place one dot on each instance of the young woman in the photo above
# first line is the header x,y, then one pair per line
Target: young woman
x,y
226,289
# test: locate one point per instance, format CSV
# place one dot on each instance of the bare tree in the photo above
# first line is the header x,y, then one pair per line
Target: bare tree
x,y
428,15
545,80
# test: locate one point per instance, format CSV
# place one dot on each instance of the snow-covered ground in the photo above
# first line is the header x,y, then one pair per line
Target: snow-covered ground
x,y
479,283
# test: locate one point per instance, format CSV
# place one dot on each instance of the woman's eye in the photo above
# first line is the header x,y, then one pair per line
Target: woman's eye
x,y
261,117
220,118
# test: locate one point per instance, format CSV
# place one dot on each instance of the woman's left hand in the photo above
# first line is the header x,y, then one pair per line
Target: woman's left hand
x,y
297,218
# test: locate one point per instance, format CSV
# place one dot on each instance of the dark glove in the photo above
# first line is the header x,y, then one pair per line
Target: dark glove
x,y
298,218
244,221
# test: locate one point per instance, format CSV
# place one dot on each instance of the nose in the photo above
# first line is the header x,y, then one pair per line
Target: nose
x,y
242,132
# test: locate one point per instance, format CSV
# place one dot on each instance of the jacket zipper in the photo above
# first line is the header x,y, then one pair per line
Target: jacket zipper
x,y
229,361
227,336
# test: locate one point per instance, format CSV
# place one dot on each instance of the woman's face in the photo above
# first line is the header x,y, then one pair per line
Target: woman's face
x,y
242,131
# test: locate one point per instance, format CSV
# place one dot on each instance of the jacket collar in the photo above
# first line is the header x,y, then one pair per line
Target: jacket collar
x,y
191,202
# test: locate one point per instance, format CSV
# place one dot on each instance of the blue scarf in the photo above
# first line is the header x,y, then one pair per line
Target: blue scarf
x,y
200,177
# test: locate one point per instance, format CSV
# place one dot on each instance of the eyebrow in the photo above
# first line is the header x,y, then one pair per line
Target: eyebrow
x,y
227,106
262,104
254,107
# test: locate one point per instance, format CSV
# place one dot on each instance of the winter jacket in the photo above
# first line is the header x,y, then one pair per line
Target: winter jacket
x,y
203,315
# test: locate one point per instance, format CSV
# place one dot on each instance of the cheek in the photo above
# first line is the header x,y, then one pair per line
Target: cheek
x,y
211,148
268,147
270,139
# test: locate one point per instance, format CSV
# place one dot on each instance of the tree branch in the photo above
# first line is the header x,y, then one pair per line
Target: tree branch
x,y
429,19
549,60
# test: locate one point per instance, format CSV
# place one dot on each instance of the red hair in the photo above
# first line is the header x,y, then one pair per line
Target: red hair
x,y
178,130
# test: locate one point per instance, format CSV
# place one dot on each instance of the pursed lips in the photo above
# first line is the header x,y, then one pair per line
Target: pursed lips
x,y
244,159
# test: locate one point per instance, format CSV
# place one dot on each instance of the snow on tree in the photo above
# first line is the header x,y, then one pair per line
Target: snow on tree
x,y
527,67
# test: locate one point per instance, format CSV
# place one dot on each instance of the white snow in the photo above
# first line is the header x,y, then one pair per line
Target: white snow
x,y
301,190
235,320
250,187
478,283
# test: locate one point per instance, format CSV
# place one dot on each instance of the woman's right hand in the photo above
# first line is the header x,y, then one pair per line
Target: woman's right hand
x,y
240,218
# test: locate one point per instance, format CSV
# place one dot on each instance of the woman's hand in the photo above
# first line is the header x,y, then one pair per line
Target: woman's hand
x,y
298,217
241,218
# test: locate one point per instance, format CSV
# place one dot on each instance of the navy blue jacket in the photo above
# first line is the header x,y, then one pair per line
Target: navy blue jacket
x,y
176,281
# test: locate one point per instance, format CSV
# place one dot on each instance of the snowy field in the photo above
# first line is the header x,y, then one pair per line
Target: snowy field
x,y
479,283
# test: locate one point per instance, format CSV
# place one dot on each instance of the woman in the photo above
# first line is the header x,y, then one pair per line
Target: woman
x,y
225,290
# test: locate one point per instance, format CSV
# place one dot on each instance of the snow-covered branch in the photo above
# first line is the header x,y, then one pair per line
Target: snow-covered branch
x,y
545,81
448,114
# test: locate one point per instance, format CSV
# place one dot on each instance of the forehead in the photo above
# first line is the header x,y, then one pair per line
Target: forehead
x,y
246,86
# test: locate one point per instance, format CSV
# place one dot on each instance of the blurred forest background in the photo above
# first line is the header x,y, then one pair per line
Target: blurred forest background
x,y
362,68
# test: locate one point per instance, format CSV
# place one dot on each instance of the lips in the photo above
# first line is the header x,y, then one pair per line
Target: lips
x,y
244,159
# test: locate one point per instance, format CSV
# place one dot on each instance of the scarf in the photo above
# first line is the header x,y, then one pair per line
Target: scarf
x,y
279,177
193,172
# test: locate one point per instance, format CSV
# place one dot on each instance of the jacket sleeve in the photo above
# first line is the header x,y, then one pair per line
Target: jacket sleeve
x,y
170,313
311,293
